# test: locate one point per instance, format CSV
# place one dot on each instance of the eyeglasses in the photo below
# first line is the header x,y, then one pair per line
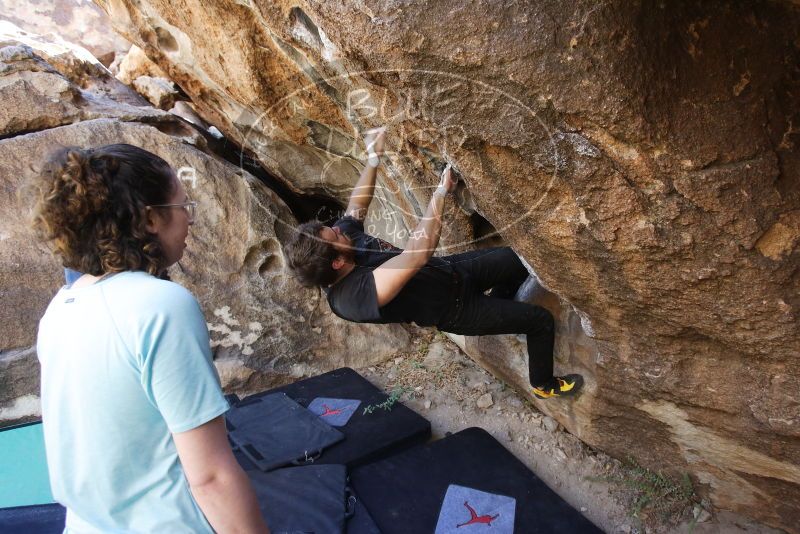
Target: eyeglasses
x,y
190,207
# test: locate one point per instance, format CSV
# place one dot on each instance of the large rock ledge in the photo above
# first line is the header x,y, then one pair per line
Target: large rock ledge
x,y
641,157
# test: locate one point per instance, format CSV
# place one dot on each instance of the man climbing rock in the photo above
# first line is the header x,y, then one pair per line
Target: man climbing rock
x,y
368,280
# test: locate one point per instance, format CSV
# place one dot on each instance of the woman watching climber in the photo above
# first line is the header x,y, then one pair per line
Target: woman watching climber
x,y
131,402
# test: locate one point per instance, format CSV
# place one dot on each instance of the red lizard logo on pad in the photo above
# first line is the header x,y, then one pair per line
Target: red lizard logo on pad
x,y
475,518
328,411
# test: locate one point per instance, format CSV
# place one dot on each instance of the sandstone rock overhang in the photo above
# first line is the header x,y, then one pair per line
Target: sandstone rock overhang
x,y
641,157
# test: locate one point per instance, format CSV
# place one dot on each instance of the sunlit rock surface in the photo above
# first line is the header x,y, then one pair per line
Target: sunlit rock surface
x,y
76,21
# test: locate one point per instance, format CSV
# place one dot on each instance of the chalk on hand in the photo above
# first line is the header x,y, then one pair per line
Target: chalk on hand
x,y
371,138
444,171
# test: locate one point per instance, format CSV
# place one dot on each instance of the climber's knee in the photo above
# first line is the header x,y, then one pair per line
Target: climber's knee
x,y
543,321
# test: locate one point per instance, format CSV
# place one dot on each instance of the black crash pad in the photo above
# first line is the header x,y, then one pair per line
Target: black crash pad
x,y
404,493
37,519
273,431
311,498
368,437
361,521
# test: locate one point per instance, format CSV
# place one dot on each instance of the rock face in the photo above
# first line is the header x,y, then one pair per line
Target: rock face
x,y
642,158
74,21
264,328
69,61
135,64
136,70
158,91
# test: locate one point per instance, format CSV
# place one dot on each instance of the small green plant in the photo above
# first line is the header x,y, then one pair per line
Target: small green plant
x,y
389,403
417,365
654,491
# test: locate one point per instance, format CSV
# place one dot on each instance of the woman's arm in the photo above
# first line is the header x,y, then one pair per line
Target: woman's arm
x,y
218,483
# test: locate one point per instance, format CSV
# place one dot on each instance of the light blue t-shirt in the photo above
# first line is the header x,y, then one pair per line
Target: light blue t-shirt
x,y
125,363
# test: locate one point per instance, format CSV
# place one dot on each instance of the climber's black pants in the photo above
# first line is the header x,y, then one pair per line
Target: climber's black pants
x,y
477,314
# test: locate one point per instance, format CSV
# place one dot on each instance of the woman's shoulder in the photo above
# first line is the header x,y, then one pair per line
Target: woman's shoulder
x,y
147,291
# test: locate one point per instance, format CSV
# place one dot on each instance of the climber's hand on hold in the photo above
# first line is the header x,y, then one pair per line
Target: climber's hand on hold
x,y
374,141
447,183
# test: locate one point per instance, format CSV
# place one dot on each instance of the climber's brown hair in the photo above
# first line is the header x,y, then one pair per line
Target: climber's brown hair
x,y
310,257
91,208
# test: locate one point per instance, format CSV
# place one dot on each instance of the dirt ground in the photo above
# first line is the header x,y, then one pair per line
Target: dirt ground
x,y
441,383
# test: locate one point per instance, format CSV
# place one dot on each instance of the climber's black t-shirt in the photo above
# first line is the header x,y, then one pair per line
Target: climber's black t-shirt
x,y
424,300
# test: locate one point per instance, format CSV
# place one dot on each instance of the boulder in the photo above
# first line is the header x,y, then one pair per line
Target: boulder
x,y
134,64
158,91
136,70
19,385
642,158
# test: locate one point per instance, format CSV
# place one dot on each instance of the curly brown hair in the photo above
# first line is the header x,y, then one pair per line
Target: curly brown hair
x,y
309,257
92,208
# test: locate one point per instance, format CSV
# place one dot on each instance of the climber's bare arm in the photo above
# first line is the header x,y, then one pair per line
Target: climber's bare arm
x,y
394,274
364,190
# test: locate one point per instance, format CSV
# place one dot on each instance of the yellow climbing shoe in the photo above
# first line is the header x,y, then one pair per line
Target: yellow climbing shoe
x,y
560,386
